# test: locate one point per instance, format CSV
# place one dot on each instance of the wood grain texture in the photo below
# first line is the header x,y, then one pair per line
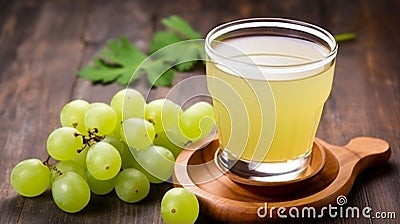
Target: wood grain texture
x,y
44,42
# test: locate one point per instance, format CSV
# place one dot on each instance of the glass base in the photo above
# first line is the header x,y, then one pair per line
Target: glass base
x,y
262,171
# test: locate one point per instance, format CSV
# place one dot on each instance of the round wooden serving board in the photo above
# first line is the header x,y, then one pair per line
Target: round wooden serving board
x,y
232,200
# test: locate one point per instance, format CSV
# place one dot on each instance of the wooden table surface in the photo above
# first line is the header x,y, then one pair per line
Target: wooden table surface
x,y
44,43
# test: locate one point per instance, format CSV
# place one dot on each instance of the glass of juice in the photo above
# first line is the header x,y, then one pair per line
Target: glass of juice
x,y
269,79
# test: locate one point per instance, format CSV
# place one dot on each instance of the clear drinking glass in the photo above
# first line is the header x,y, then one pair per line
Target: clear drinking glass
x,y
269,79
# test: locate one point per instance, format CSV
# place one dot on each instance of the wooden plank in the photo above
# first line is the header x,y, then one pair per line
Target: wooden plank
x,y
292,9
42,49
12,17
111,20
15,116
365,79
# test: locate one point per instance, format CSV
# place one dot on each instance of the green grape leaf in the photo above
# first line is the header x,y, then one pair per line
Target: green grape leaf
x,y
154,68
117,62
120,62
184,54
180,26
162,39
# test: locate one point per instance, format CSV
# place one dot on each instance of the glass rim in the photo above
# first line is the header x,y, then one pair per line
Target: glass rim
x,y
282,23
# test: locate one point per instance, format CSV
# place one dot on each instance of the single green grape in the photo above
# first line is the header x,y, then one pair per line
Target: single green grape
x,y
66,166
70,192
128,103
30,177
164,139
102,117
131,185
156,162
126,156
179,205
116,133
64,143
163,114
73,114
100,187
95,104
197,121
103,161
137,133
176,136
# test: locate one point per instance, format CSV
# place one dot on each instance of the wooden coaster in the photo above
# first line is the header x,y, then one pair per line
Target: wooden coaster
x,y
230,200
317,163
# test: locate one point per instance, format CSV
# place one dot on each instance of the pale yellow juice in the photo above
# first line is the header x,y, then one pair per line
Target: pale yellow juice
x,y
265,115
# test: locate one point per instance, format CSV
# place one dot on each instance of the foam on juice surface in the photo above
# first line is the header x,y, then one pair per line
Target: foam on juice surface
x,y
277,58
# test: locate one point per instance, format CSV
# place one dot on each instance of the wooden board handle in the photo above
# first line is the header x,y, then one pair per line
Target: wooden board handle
x,y
368,145
361,153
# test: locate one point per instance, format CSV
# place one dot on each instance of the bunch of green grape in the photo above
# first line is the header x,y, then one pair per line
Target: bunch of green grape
x,y
124,146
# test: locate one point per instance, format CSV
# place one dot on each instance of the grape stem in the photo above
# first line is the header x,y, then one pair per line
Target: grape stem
x,y
57,171
52,167
342,37
46,162
90,139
